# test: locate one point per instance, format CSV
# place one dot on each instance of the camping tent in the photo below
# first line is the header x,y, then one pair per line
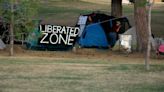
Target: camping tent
x,y
2,45
132,31
93,36
95,33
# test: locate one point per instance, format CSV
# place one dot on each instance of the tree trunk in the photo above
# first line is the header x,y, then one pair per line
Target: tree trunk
x,y
141,23
116,8
143,28
12,29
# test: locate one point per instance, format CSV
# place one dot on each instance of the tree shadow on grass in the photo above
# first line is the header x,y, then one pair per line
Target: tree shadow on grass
x,y
136,68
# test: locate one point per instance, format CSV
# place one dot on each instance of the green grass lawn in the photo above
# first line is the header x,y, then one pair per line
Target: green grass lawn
x,y
22,74
103,73
66,12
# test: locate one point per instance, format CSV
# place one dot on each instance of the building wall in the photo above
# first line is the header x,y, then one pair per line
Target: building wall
x,y
159,0
125,1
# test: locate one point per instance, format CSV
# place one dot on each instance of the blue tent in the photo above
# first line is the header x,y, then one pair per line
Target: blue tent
x,y
96,30
93,36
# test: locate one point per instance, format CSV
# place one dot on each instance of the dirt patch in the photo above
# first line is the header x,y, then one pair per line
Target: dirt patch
x,y
78,53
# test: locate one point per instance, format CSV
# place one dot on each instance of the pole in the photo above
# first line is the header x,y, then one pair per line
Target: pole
x,y
147,60
12,29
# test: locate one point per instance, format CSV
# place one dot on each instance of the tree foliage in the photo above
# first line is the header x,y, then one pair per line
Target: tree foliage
x,y
25,11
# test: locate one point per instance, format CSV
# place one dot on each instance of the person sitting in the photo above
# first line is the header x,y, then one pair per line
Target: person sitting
x,y
113,34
